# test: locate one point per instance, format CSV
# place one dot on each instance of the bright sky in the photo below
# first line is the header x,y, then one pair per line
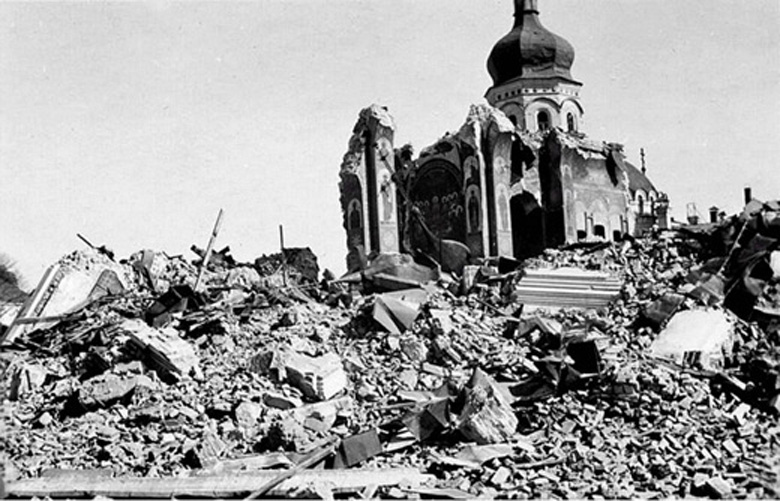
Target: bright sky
x,y
134,122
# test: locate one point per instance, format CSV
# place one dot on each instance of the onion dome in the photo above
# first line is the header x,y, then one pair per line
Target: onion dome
x,y
530,50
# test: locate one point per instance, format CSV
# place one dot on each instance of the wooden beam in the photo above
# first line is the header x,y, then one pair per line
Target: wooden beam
x,y
209,248
233,485
310,460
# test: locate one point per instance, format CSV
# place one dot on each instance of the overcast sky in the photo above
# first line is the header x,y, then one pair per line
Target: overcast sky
x,y
133,123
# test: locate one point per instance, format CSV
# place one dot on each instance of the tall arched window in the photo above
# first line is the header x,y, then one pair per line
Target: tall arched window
x,y
570,122
543,120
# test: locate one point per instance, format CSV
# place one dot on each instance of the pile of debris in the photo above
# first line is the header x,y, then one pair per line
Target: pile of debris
x,y
130,379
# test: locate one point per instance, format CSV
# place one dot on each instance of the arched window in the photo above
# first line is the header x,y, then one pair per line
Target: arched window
x,y
543,120
570,122
513,119
641,200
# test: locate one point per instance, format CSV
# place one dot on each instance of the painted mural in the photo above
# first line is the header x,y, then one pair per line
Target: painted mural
x,y
437,192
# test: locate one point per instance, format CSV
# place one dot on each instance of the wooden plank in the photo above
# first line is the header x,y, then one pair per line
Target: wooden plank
x,y
212,487
310,460
209,248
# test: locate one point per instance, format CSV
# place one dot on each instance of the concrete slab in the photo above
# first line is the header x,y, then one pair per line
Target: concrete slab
x,y
695,338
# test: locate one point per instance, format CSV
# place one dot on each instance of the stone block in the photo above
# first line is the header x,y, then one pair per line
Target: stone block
x,y
487,417
163,350
358,448
699,337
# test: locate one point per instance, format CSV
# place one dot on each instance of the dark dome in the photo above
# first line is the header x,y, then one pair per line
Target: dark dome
x,y
530,50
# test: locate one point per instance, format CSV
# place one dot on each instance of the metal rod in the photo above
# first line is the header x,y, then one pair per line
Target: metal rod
x,y
83,239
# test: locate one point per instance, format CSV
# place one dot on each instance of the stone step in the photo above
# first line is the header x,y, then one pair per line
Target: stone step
x,y
567,284
574,274
559,292
567,288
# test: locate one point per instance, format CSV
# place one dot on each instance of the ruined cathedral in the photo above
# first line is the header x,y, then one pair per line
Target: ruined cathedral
x,y
518,176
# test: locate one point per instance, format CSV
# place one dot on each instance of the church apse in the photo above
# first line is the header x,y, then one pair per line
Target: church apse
x,y
437,191
459,186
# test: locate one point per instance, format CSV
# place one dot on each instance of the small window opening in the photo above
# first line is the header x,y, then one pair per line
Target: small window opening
x,y
599,231
570,122
617,236
513,119
543,120
582,234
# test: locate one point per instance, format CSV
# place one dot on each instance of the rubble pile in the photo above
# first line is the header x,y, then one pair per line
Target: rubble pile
x,y
452,388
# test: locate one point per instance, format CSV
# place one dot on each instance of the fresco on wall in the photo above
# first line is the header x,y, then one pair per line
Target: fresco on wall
x,y
471,169
387,197
437,193
503,212
474,211
355,215
352,195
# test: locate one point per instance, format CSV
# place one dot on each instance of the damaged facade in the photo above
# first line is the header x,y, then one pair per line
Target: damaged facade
x,y
519,176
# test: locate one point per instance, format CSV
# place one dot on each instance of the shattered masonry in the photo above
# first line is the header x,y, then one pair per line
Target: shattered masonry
x,y
658,378
495,362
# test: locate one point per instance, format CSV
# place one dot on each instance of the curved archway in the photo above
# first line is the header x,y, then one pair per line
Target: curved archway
x,y
438,193
473,210
543,121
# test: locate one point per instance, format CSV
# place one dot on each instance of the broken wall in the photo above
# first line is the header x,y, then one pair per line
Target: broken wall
x,y
596,202
498,190
499,177
461,184
437,190
368,193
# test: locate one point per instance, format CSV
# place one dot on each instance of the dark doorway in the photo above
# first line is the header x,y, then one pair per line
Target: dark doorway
x,y
527,234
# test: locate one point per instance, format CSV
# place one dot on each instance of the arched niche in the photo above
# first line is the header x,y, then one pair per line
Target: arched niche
x,y
514,112
571,115
473,210
542,107
437,191
352,201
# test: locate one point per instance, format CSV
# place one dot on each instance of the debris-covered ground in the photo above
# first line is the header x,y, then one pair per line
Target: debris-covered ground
x,y
666,386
